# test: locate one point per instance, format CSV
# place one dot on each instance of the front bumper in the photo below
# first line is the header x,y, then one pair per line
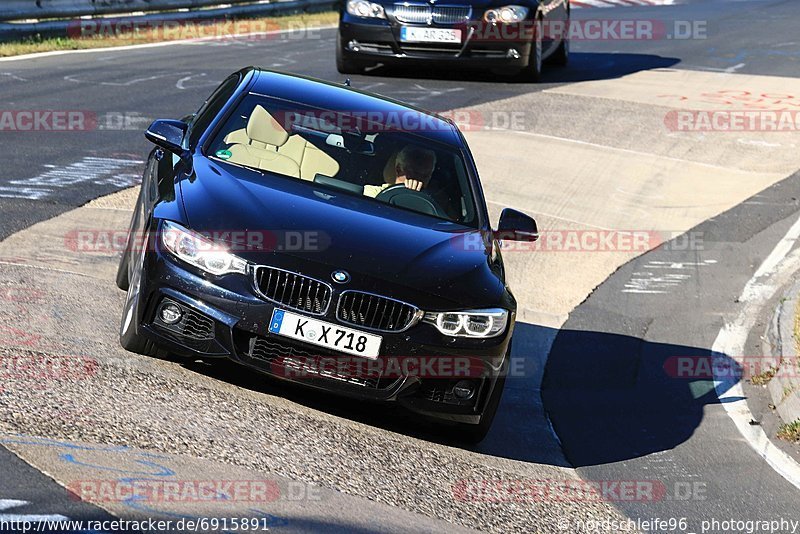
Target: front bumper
x,y
224,318
378,42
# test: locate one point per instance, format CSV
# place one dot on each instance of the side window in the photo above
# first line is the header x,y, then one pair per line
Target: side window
x,y
211,108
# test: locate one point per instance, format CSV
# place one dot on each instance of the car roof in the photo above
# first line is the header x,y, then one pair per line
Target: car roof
x,y
342,98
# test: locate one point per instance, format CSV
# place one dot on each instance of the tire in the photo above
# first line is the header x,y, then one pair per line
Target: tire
x,y
129,337
533,72
124,261
474,434
345,65
560,57
122,271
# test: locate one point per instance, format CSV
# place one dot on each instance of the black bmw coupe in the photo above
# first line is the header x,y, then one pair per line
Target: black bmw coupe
x,y
325,236
513,36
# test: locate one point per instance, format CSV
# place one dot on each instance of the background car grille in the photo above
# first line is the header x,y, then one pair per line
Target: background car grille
x,y
295,362
451,14
293,290
373,311
420,13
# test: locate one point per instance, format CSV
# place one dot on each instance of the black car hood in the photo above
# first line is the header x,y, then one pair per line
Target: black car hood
x,y
370,240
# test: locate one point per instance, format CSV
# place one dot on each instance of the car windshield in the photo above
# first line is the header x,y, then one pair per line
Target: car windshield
x,y
365,154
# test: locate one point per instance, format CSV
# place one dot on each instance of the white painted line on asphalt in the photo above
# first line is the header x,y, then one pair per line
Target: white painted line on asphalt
x,y
13,76
616,149
773,273
650,283
74,79
581,223
619,3
23,263
38,55
120,173
8,504
728,70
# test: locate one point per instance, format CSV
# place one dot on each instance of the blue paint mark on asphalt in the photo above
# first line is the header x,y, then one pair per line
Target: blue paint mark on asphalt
x,y
156,470
160,470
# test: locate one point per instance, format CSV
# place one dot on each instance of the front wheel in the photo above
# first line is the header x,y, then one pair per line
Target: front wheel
x,y
346,65
129,337
533,72
122,271
560,57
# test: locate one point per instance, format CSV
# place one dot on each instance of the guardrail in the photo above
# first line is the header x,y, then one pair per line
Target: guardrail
x,y
48,9
62,9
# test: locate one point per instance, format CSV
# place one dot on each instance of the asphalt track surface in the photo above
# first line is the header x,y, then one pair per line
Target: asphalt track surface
x,y
613,423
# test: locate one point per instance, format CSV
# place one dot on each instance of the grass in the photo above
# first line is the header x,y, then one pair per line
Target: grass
x,y
790,431
797,336
109,39
762,379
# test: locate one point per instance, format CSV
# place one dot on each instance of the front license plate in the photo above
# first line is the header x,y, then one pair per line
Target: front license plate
x,y
328,335
410,34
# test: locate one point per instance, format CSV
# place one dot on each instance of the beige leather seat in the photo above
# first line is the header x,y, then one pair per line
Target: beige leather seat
x,y
265,144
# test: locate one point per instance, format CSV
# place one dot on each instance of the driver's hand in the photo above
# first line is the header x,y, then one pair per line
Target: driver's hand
x,y
416,185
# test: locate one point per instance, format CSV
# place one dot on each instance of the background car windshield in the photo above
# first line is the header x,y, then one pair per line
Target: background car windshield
x,y
359,153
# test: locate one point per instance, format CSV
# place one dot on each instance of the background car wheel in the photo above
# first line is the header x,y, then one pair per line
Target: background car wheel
x,y
343,64
560,57
533,72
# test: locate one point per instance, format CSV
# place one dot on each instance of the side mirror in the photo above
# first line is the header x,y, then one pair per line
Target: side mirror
x,y
516,226
167,134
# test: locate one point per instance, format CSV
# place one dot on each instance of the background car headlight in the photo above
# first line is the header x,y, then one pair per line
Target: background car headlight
x,y
506,14
196,250
469,323
362,8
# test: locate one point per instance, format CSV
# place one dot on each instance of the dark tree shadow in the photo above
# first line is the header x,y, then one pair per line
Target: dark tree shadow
x,y
613,397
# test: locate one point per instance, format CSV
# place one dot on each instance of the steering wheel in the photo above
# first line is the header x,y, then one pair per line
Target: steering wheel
x,y
401,196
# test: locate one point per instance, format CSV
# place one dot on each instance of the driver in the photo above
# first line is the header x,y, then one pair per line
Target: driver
x,y
413,167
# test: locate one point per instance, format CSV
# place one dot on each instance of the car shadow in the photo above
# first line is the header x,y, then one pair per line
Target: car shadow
x,y
609,396
583,66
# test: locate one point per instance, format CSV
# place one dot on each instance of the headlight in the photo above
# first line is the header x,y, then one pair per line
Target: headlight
x,y
362,8
469,323
196,250
506,14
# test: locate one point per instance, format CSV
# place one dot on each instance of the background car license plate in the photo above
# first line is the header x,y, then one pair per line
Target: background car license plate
x,y
329,335
409,34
